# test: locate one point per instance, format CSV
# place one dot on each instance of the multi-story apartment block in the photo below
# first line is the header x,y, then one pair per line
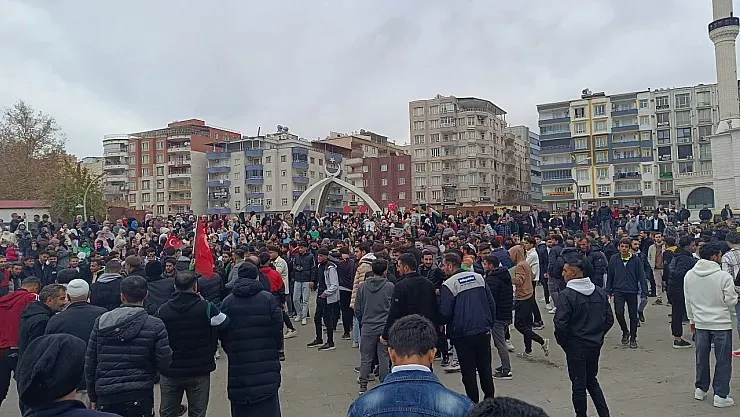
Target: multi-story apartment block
x,y
377,166
267,173
526,164
93,165
162,170
536,161
649,147
459,153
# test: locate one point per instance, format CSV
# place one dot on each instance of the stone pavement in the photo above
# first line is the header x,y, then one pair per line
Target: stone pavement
x,y
653,380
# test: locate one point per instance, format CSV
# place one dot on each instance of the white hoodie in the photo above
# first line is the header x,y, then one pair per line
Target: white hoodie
x,y
710,296
534,262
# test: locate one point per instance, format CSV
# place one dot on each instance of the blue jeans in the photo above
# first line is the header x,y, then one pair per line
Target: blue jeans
x,y
722,353
301,291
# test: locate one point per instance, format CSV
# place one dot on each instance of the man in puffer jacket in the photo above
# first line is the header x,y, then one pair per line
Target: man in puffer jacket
x,y
126,349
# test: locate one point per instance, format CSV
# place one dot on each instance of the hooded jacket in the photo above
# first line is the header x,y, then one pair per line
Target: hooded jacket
x,y
33,324
252,340
345,269
327,284
363,267
11,307
710,296
523,274
159,289
373,304
414,294
67,408
106,291
583,315
681,263
127,348
498,281
503,257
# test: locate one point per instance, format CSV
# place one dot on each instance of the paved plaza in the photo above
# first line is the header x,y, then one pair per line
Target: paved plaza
x,y
654,380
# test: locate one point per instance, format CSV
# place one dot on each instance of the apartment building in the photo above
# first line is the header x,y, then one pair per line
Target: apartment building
x,y
162,170
377,166
460,155
527,171
93,165
267,173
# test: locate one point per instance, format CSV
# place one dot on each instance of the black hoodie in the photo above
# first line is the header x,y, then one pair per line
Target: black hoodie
x,y
499,282
414,294
33,324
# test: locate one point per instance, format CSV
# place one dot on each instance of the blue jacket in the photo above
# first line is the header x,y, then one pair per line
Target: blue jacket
x,y
410,394
626,277
466,306
503,257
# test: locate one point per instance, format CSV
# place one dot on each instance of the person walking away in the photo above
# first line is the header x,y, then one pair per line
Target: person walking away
x,y
192,325
682,262
655,259
554,276
126,341
372,306
11,307
78,319
160,283
469,311
106,291
252,340
304,268
544,259
523,320
327,301
498,280
625,279
345,272
411,385
47,378
582,319
710,306
731,265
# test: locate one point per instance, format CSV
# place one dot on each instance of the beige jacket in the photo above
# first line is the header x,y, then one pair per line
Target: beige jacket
x,y
363,267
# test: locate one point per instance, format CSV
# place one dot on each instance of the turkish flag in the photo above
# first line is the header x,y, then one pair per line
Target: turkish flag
x,y
173,242
204,264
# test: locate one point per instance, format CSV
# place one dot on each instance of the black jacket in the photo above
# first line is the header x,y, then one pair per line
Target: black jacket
x,y
609,250
345,272
78,319
433,274
626,278
705,214
139,271
33,324
499,282
191,328
211,288
159,290
252,340
49,275
414,294
127,348
544,259
582,318
67,408
599,263
684,214
304,267
681,263
106,291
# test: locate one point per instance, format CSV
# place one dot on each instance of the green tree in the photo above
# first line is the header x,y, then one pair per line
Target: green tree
x,y
68,191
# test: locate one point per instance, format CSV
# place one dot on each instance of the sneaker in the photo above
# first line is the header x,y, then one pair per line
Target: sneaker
x,y
668,304
553,310
290,334
736,354
642,317
376,371
658,302
538,326
370,378
362,390
445,362
316,343
633,343
503,375
346,336
281,356
454,367
217,355
720,402
546,347
355,345
357,369
510,346
699,394
625,338
327,346
525,355
549,306
296,319
303,322
681,344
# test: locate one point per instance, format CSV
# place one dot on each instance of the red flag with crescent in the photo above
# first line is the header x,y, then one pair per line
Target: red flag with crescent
x,y
173,242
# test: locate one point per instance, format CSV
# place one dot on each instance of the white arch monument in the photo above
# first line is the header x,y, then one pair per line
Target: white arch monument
x,y
321,190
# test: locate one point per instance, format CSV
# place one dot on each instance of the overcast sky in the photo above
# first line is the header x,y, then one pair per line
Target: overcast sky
x,y
339,65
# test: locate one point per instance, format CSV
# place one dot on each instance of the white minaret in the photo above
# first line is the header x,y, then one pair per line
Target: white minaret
x,y
723,31
726,140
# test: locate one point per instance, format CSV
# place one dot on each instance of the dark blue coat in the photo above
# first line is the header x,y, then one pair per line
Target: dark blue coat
x,y
626,278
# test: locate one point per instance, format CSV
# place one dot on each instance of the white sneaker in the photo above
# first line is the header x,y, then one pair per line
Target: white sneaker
x,y
720,402
355,344
290,334
303,321
548,306
699,394
509,346
546,347
454,367
297,319
218,354
552,311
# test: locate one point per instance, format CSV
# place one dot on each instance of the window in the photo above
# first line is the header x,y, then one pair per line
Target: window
x,y
435,153
685,167
705,151
144,159
685,151
401,195
699,197
132,186
647,169
584,189
401,167
419,139
418,111
579,113
284,202
661,103
384,168
644,103
283,173
420,182
401,180
132,198
647,185
364,183
604,189
704,131
268,202
602,173
581,143
283,187
160,197
703,98
145,172
683,135
582,158
600,141
683,118
145,146
312,160
160,144
365,168
145,184
237,190
644,120
283,158
420,153
558,174
599,110
384,196
384,181
321,162
433,124
583,174
420,195
146,198
160,171
268,174
420,168
268,188
237,175
160,184
579,128
645,136
602,157
600,126
663,119
704,115
419,125
664,137
312,174
683,101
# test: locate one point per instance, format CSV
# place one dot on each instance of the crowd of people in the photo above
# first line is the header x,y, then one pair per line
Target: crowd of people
x,y
156,300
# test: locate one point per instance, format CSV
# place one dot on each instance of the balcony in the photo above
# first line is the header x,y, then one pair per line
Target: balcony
x,y
301,180
222,195
558,196
335,197
218,155
300,164
179,175
181,202
180,148
219,210
632,160
115,178
114,189
254,153
625,128
123,152
625,112
568,180
666,175
218,183
558,135
666,192
255,195
620,176
354,175
697,174
297,193
254,167
557,166
218,170
255,208
179,162
627,193
542,122
556,149
354,161
665,158
178,187
255,180
114,167
298,150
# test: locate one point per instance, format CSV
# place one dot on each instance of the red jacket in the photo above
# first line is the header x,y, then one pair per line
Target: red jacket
x,y
4,278
11,307
276,280
12,254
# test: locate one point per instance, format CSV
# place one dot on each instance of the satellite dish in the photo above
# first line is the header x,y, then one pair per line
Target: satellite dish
x,y
279,128
285,129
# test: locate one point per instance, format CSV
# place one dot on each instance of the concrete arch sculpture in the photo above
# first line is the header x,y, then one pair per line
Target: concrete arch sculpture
x,y
322,188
